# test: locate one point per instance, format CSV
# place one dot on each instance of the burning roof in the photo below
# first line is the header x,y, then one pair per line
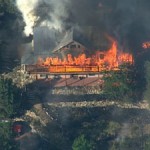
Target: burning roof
x,y
68,38
101,60
71,36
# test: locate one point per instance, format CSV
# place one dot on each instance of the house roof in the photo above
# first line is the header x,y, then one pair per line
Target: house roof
x,y
70,36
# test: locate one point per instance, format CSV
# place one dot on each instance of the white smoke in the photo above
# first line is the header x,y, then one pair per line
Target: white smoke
x,y
58,13
27,8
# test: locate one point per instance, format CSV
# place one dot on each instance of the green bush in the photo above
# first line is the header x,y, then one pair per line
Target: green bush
x,y
9,98
119,86
81,143
7,137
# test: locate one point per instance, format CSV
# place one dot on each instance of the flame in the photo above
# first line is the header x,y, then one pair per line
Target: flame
x,y
146,45
101,60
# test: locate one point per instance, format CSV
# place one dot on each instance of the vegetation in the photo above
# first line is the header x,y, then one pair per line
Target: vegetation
x,y
10,98
6,136
79,129
95,129
81,143
147,144
127,143
120,85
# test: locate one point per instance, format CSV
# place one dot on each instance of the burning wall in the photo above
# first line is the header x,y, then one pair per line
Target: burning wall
x,y
101,60
127,21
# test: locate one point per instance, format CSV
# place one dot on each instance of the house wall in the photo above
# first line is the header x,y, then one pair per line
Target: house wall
x,y
74,48
47,76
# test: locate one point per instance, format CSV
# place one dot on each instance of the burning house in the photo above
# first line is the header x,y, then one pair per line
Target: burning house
x,y
68,55
44,40
72,43
70,59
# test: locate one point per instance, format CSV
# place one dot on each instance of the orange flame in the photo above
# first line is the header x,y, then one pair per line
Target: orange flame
x,y
104,60
146,45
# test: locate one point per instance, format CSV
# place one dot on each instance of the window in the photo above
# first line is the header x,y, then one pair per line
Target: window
x,y
79,46
91,74
101,56
42,75
73,46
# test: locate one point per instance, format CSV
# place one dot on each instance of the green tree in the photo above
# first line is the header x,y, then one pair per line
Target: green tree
x,y
112,128
147,144
126,144
8,96
6,136
119,85
81,143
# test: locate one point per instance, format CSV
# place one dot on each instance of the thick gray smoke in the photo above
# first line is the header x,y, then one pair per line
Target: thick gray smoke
x,y
127,21
11,28
43,12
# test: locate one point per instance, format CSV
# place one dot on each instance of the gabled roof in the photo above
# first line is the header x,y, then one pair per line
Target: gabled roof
x,y
70,36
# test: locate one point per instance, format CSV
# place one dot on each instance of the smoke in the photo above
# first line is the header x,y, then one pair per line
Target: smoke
x,y
43,12
27,8
11,27
55,12
127,21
